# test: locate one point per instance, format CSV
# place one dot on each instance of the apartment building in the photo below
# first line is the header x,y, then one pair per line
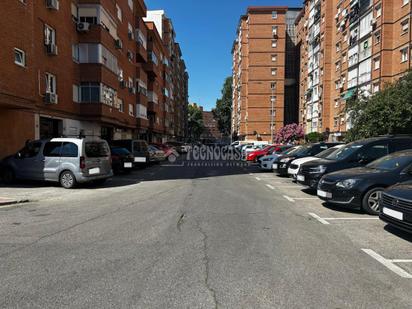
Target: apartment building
x,y
82,67
363,44
265,72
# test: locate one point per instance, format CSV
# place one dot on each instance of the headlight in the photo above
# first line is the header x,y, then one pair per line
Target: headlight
x,y
347,184
318,169
285,160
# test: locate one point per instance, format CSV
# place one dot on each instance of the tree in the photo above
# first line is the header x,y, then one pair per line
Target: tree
x,y
289,133
195,122
314,137
386,112
223,111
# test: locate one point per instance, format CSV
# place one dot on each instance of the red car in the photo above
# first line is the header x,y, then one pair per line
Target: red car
x,y
255,155
168,150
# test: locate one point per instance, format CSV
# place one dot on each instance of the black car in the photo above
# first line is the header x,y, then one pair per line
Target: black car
x,y
362,187
122,160
355,154
283,162
396,206
138,148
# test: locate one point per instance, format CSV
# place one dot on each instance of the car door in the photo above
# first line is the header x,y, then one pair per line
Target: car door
x,y
29,162
51,153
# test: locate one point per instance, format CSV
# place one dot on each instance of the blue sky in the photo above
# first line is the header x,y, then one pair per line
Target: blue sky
x,y
205,30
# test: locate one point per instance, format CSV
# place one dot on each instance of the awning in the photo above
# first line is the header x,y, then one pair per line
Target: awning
x,y
349,94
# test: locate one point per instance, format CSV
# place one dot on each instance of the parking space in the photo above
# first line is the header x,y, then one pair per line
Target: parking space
x,y
386,246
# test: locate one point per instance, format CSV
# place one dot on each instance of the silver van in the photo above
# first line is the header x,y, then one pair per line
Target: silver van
x,y
65,160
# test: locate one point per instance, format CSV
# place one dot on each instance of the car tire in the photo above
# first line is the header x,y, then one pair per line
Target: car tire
x,y
370,201
8,176
67,180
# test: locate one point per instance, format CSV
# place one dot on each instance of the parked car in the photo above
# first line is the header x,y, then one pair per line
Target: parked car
x,y
178,146
156,155
305,151
266,162
138,148
122,160
396,206
355,154
168,151
362,187
295,164
254,156
249,149
66,160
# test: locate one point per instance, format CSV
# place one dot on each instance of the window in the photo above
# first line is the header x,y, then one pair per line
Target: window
x,y
371,153
365,25
108,95
89,93
130,2
131,111
274,43
274,30
75,13
343,57
274,14
404,54
75,53
121,105
119,12
52,149
76,93
274,71
273,85
49,35
50,83
337,64
274,58
405,2
378,9
19,57
404,26
338,47
69,150
31,150
375,88
376,63
272,98
377,37
130,31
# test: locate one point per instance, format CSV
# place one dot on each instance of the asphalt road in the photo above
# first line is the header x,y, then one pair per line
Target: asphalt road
x,y
189,237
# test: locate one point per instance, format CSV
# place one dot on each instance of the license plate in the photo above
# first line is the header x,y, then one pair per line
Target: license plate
x,y
94,171
301,178
275,166
393,213
128,165
140,159
324,194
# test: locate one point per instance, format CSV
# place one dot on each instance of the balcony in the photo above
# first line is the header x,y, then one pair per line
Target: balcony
x,y
105,113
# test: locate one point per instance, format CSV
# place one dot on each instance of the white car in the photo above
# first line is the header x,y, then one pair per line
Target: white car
x,y
266,162
295,165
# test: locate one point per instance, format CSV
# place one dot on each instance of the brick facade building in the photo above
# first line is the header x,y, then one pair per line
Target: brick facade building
x,y
349,48
265,72
102,68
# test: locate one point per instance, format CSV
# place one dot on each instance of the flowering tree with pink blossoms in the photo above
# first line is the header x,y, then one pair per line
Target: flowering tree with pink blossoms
x,y
289,133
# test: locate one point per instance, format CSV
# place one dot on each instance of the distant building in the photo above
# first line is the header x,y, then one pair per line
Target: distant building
x,y
211,132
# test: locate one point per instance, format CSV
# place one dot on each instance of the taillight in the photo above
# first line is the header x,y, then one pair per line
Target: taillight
x,y
82,163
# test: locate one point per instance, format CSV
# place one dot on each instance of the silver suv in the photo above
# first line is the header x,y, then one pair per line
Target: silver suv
x,y
65,160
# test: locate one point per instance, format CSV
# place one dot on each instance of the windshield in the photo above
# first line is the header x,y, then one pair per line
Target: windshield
x,y
344,153
326,152
301,151
391,162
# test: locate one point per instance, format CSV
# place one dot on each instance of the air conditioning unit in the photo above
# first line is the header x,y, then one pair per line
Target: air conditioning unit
x,y
51,98
83,27
118,44
51,49
52,4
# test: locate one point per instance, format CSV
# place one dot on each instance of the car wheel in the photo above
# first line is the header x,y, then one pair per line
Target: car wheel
x,y
67,180
8,176
370,201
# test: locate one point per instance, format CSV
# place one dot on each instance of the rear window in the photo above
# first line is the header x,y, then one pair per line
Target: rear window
x,y
120,151
96,150
139,146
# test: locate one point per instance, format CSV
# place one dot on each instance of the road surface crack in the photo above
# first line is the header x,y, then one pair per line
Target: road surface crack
x,y
206,261
180,221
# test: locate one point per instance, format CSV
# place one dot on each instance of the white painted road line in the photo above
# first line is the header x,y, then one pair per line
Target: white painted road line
x,y
289,198
285,187
270,187
305,198
321,220
257,178
349,218
400,261
388,264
